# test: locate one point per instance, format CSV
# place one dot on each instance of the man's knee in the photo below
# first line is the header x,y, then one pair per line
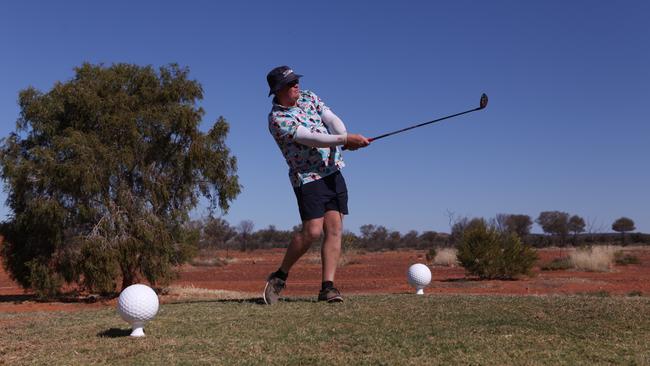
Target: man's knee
x,y
333,225
312,233
334,231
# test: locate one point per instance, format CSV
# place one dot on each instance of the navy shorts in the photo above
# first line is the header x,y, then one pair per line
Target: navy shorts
x,y
325,194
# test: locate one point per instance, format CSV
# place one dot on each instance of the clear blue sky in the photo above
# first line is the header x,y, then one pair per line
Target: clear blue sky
x,y
567,127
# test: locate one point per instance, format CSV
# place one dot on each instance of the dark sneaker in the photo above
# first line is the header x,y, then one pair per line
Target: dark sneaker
x,y
272,289
330,295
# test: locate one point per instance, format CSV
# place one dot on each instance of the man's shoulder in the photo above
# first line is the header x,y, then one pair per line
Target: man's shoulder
x,y
309,100
308,95
278,115
280,118
278,111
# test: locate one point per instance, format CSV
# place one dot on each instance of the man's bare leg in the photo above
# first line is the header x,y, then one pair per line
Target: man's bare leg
x,y
301,241
331,249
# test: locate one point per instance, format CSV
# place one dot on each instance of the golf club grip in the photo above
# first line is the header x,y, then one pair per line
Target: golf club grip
x,y
369,140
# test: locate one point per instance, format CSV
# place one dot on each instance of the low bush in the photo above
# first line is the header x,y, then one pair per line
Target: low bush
x,y
431,255
623,259
558,264
488,253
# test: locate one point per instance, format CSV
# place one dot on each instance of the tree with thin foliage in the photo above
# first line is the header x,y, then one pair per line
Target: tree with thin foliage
x,y
245,229
576,226
217,233
270,237
366,231
519,224
623,225
375,237
457,228
427,239
593,227
410,239
554,223
101,174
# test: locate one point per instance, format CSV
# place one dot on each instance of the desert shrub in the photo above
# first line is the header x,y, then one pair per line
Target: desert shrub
x,y
350,248
431,254
597,258
639,238
558,264
624,259
446,257
45,281
538,241
488,253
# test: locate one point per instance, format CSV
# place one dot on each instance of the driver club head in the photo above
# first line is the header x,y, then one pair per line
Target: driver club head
x,y
484,101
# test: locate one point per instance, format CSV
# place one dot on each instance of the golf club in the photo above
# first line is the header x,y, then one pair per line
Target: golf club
x,y
482,104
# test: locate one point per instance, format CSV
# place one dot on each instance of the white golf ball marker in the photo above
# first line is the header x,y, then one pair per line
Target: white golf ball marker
x,y
419,276
137,305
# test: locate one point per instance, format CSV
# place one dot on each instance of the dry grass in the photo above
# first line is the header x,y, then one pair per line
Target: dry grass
x,y
208,262
597,258
446,257
212,260
191,292
349,257
310,258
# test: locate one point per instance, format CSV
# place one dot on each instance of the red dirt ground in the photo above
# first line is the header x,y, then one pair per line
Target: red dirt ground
x,y
378,272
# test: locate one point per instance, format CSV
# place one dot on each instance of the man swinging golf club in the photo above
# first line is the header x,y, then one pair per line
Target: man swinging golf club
x,y
309,135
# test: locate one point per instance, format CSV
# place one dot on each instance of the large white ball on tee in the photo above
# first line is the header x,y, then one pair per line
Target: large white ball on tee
x,y
419,276
137,305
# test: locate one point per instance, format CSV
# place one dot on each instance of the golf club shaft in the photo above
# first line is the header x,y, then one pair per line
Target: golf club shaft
x,y
483,103
421,124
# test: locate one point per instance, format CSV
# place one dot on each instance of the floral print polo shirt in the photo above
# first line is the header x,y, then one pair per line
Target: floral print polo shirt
x,y
306,164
